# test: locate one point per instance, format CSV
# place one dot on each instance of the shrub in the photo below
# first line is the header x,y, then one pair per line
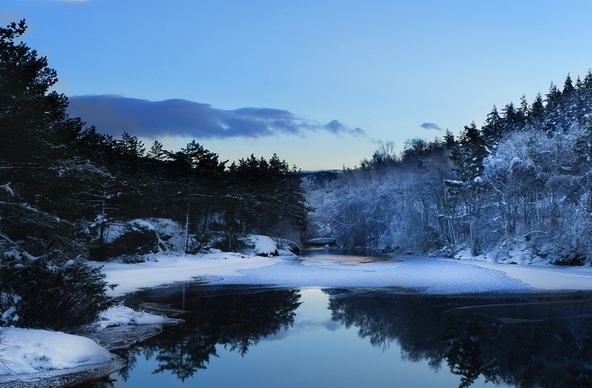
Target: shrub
x,y
36,293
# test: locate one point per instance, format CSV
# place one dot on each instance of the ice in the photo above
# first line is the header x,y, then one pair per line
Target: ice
x,y
426,275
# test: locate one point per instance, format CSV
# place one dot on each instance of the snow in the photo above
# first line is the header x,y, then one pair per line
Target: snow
x,y
26,352
34,351
263,245
167,268
122,316
550,278
30,351
420,274
7,187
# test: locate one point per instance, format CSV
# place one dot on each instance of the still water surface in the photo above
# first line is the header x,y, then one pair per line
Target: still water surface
x,y
253,337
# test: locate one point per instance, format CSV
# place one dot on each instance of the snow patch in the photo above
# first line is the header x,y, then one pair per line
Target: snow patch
x,y
31,351
124,316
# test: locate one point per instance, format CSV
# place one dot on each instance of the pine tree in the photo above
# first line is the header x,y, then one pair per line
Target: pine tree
x,y
42,285
31,115
156,151
537,111
130,147
469,154
493,128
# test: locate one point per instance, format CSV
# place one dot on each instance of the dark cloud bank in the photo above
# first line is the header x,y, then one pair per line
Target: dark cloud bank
x,y
153,119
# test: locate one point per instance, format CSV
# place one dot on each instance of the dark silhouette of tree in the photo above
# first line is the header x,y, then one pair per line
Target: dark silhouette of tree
x,y
385,156
43,284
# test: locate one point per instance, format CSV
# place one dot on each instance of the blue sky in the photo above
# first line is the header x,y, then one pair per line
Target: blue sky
x,y
321,83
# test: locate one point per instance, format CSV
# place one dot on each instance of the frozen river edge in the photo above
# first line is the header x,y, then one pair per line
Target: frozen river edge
x,y
417,274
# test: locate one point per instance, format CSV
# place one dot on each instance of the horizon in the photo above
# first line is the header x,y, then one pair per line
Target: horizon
x,y
322,86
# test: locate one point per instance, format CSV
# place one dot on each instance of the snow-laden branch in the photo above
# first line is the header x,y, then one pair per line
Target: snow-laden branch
x,y
7,188
7,239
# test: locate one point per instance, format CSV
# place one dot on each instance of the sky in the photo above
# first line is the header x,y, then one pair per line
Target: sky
x,y
321,83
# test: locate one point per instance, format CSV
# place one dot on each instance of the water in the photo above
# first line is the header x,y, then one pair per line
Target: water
x,y
252,337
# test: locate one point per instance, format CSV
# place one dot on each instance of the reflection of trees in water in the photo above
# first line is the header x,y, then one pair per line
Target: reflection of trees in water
x,y
528,341
235,319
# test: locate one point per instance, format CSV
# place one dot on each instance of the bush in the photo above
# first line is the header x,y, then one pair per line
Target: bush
x,y
36,293
570,258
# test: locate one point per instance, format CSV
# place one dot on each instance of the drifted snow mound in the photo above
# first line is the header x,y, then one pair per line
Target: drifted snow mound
x,y
31,351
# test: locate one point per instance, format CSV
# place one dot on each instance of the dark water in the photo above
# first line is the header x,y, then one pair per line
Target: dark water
x,y
251,337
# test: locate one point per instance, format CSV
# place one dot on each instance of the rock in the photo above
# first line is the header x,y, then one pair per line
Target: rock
x,y
137,237
321,241
288,245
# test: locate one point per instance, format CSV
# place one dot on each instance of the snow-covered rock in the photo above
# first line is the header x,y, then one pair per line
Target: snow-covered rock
x,y
137,237
286,246
321,241
122,316
261,245
32,351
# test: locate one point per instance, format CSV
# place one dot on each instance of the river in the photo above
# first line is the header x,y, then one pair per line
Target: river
x,y
237,336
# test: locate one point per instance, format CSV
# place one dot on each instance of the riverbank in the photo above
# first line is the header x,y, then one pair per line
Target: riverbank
x,y
41,358
50,357
419,274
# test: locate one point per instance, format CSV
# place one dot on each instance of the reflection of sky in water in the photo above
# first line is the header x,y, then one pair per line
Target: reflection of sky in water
x,y
314,352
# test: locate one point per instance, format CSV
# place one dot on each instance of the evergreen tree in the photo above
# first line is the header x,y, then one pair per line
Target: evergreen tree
x,y
31,115
493,128
568,89
469,154
41,285
537,111
553,107
156,151
130,147
202,160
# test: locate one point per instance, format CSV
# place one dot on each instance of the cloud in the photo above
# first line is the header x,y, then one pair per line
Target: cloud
x,y
430,126
152,119
336,127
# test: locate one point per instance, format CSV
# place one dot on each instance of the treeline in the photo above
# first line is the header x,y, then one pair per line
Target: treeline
x,y
57,165
519,188
63,183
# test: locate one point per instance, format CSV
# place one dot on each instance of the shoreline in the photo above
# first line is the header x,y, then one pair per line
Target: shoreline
x,y
412,275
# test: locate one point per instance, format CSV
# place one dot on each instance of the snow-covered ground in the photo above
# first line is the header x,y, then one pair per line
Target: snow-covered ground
x,y
38,350
42,358
174,267
426,275
35,351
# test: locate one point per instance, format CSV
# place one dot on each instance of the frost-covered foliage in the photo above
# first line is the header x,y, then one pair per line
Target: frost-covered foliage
x,y
386,208
542,187
521,182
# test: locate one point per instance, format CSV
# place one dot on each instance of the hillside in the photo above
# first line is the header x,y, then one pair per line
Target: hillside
x,y
517,189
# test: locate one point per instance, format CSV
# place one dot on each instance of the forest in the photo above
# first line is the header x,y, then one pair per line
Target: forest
x,y
517,189
64,185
